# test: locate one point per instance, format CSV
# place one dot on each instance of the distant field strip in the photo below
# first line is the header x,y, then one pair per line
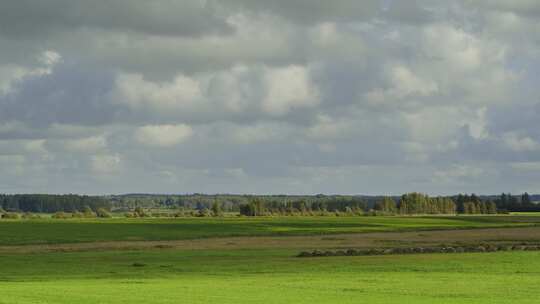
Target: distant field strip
x,y
49,231
310,242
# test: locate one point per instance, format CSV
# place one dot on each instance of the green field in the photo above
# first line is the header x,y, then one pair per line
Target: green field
x,y
267,275
50,231
525,213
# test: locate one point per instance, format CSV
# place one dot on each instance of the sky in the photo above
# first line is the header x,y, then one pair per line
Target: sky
x,y
258,96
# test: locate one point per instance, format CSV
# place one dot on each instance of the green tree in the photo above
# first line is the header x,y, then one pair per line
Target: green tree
x,y
216,209
386,205
139,212
491,207
525,199
88,212
205,212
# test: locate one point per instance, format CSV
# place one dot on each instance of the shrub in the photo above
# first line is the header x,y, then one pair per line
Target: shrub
x,y
11,215
139,212
101,212
30,216
204,212
77,214
138,264
179,213
60,215
89,213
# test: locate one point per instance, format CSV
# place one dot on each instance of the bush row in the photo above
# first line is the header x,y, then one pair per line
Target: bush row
x,y
413,250
86,214
15,215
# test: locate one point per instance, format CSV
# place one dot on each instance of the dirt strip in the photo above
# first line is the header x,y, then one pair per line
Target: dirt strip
x,y
333,241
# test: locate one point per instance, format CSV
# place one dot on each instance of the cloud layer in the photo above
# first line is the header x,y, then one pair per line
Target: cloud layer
x,y
269,96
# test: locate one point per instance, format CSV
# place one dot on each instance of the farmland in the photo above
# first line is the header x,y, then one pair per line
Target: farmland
x,y
50,231
269,276
253,260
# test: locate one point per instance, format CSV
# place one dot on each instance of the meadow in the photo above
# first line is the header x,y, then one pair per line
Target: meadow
x,y
51,231
253,260
268,276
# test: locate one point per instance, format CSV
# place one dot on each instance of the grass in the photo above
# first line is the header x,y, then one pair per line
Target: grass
x,y
230,275
529,213
50,231
267,276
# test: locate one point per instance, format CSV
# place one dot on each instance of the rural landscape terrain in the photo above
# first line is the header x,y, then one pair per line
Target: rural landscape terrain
x,y
201,257
269,151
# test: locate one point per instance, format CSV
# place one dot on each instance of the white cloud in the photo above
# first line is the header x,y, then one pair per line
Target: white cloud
x,y
518,143
440,124
406,83
181,93
273,91
50,58
288,88
88,144
11,73
163,135
35,146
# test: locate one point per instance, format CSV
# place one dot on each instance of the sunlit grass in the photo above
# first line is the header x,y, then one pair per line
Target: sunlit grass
x,y
268,276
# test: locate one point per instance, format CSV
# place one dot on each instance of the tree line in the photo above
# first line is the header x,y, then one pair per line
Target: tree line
x,y
511,203
256,205
472,204
408,204
50,203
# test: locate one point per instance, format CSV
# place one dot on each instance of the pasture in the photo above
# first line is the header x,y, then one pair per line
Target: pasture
x,y
267,276
51,231
253,260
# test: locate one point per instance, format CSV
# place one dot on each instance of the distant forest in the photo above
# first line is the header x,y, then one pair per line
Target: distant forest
x,y
48,203
257,205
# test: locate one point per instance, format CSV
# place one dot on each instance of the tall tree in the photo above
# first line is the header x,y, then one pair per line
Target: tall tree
x,y
525,199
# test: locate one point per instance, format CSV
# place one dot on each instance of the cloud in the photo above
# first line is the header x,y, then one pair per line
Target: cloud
x,y
88,144
163,135
10,74
61,93
517,143
269,96
288,88
526,7
183,92
106,164
188,18
260,90
459,173
317,11
526,166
